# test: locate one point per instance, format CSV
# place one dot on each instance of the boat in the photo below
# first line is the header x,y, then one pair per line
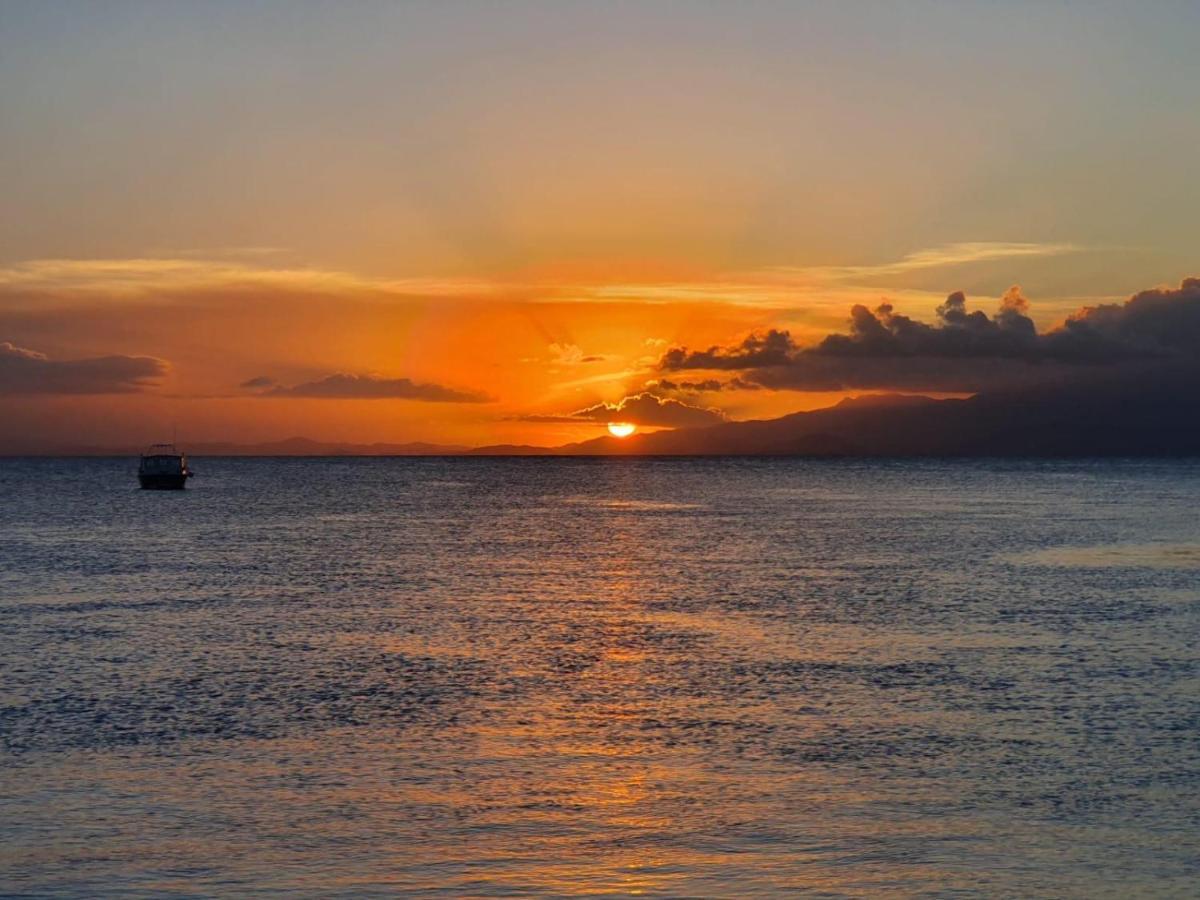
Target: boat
x,y
163,468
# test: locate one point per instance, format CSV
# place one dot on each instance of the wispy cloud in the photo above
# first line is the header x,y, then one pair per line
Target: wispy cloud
x,y
151,278
349,386
219,252
571,355
789,286
943,257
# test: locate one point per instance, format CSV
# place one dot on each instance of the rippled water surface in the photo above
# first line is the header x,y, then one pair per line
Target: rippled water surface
x,y
586,677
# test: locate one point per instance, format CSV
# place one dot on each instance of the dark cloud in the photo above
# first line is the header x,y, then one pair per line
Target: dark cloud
x,y
1162,323
741,384
775,348
964,350
343,386
707,386
641,409
25,371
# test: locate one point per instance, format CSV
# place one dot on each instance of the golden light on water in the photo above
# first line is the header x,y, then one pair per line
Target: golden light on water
x,y
621,429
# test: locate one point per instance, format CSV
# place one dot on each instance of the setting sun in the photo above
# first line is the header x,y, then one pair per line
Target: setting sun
x,y
621,429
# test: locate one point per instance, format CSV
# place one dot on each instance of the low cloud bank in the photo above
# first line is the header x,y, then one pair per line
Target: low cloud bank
x,y
346,386
24,371
706,386
965,350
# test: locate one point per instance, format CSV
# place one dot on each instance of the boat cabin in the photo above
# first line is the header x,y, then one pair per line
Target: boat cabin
x,y
163,467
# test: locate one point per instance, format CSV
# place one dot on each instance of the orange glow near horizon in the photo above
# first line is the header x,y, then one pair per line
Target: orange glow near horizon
x,y
473,369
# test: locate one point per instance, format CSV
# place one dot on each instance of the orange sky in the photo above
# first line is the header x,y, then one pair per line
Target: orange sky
x,y
544,343
533,201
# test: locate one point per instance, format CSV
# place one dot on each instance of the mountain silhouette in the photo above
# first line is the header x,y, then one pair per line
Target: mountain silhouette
x,y
1140,412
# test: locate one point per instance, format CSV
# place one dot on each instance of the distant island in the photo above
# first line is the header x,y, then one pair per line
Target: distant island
x,y
1148,413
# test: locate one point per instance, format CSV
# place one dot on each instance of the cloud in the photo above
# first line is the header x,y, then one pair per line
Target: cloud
x,y
1159,323
963,350
154,279
640,409
709,385
775,348
706,386
216,271
346,386
571,355
957,254
25,371
781,285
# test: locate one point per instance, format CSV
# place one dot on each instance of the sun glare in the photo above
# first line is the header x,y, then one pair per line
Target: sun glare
x,y
621,429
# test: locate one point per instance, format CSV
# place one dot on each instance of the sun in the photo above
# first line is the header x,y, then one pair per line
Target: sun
x,y
621,429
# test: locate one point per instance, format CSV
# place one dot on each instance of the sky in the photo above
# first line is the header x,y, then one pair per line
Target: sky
x,y
481,223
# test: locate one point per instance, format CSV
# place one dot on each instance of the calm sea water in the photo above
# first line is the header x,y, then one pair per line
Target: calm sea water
x,y
600,677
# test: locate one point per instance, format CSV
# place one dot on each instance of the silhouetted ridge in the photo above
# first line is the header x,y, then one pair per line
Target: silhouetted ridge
x,y
1134,413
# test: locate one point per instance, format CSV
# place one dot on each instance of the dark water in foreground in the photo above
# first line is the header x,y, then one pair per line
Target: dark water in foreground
x,y
587,677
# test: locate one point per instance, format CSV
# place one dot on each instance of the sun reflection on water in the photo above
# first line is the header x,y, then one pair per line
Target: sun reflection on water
x,y
602,678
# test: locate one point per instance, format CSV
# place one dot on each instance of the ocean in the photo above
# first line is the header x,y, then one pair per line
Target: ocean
x,y
600,677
